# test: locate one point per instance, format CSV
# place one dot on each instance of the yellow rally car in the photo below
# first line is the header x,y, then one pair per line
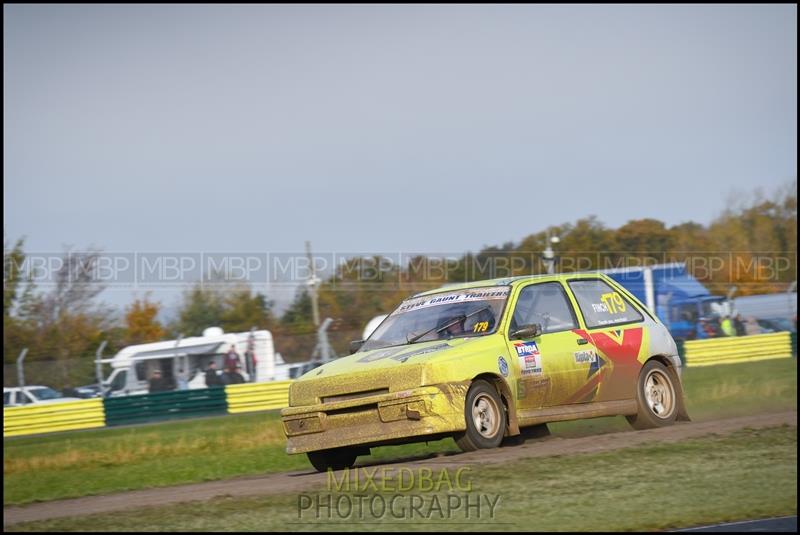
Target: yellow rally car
x,y
483,360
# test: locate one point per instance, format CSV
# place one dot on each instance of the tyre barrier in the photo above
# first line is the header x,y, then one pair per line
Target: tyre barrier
x,y
257,396
730,350
165,406
144,408
53,417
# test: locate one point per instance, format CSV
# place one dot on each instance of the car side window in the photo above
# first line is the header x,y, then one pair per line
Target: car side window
x,y
544,303
602,305
6,398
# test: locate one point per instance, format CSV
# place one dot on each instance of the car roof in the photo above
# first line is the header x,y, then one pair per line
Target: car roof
x,y
508,281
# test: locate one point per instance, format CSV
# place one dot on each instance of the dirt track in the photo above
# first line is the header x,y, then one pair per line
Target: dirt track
x,y
298,481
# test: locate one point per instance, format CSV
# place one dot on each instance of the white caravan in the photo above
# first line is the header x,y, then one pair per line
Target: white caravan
x,y
183,362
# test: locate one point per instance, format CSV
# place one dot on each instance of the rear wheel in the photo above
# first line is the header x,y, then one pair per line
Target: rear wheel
x,y
656,397
335,459
485,418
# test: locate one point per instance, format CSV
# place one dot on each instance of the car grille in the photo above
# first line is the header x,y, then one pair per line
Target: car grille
x,y
355,395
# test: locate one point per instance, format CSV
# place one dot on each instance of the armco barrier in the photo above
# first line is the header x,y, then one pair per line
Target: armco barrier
x,y
165,406
737,349
257,396
52,417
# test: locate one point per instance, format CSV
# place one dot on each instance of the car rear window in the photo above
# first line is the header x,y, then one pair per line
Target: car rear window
x,y
602,305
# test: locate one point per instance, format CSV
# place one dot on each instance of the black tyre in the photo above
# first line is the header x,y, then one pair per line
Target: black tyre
x,y
485,417
657,397
335,459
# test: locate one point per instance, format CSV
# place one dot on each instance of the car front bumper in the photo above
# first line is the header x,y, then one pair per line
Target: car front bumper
x,y
385,418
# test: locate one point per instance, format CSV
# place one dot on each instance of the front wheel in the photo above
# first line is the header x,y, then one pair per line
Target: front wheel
x,y
485,418
656,397
335,459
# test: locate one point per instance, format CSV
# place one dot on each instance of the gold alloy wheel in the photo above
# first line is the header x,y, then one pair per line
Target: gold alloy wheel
x,y
659,394
486,415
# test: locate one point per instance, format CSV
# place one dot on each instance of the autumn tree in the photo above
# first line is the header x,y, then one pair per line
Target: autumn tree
x,y
201,308
62,322
140,324
233,307
244,309
643,237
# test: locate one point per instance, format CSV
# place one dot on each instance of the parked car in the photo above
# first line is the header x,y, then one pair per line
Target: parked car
x,y
16,396
774,325
84,392
484,360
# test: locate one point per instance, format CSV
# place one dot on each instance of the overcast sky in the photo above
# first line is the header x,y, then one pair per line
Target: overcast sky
x,y
384,128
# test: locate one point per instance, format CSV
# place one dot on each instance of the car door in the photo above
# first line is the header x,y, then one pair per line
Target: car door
x,y
543,363
615,327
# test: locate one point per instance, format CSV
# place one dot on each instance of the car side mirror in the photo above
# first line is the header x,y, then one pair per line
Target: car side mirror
x,y
355,345
527,331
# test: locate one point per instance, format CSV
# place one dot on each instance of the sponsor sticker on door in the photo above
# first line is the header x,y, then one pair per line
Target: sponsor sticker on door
x,y
526,348
583,357
530,360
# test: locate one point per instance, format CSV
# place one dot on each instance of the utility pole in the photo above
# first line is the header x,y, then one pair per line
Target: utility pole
x,y
313,284
549,255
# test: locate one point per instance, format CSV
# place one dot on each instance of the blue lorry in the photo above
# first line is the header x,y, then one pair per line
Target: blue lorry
x,y
684,305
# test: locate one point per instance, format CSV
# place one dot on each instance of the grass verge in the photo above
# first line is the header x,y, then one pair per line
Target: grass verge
x,y
748,474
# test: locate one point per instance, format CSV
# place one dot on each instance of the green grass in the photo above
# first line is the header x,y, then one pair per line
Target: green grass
x,y
748,474
170,453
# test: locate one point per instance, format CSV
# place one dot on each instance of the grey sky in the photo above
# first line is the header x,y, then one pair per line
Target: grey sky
x,y
384,128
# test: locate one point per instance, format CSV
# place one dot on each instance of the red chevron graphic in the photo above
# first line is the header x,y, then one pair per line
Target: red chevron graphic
x,y
622,352
586,389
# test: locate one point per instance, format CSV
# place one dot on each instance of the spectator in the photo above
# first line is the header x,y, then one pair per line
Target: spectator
x,y
158,383
751,326
231,376
232,358
237,377
705,329
727,326
250,362
183,381
212,377
738,324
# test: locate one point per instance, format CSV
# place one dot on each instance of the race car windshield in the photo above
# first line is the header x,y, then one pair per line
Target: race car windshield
x,y
441,316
